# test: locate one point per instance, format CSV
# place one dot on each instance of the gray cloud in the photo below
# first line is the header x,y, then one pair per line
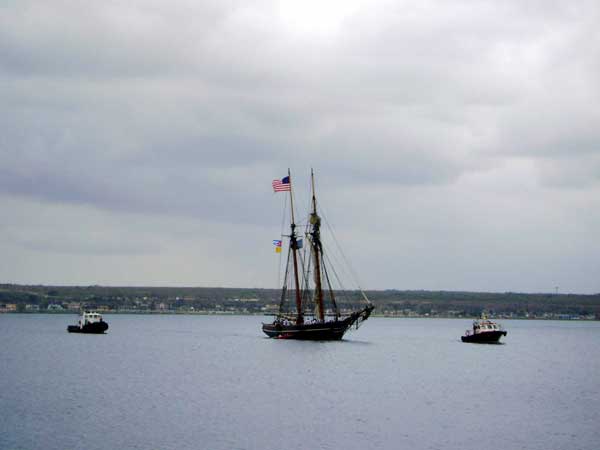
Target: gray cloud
x,y
187,110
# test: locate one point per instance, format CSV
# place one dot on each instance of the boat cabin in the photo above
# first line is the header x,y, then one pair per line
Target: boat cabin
x,y
89,317
485,326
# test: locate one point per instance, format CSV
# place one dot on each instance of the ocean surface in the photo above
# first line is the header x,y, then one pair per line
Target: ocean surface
x,y
215,383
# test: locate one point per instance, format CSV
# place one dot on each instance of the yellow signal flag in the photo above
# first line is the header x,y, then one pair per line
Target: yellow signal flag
x,y
277,249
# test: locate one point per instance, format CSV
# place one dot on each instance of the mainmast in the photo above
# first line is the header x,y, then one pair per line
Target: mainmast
x,y
294,248
317,248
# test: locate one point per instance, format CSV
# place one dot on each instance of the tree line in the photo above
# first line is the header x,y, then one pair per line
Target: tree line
x,y
252,300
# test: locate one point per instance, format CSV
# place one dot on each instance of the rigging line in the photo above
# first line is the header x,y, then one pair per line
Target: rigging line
x,y
332,260
335,260
346,266
338,280
279,266
342,293
285,289
337,257
331,295
305,283
354,274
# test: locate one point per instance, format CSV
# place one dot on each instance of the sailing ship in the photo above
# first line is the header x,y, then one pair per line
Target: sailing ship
x,y
309,308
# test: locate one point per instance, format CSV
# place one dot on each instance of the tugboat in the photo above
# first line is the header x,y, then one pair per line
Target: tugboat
x,y
89,322
309,305
484,332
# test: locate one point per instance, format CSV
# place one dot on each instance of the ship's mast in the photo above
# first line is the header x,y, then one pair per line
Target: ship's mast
x,y
294,248
315,233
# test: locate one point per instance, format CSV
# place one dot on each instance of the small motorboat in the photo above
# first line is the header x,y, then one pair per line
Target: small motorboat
x,y
90,322
484,332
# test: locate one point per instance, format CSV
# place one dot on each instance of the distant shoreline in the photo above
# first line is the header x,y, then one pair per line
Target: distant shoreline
x,y
217,313
254,301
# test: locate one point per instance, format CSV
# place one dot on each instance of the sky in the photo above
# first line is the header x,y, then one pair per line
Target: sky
x,y
456,144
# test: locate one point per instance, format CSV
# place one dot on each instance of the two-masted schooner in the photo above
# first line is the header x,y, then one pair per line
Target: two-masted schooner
x,y
308,284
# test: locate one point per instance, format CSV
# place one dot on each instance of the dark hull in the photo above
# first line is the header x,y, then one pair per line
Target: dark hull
x,y
327,331
486,337
90,328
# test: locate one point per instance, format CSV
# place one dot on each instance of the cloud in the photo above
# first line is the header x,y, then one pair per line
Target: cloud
x,y
188,109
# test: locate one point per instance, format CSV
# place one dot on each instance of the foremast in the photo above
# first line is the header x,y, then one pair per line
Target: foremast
x,y
294,250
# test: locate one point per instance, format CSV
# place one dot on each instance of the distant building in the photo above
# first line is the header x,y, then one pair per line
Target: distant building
x,y
55,307
8,307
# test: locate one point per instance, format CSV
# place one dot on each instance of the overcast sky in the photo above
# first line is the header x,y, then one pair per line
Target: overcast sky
x,y
456,143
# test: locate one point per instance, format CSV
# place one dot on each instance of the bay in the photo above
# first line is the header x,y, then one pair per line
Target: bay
x,y
215,382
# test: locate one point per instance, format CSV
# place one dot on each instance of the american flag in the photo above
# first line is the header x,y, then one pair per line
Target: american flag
x,y
282,185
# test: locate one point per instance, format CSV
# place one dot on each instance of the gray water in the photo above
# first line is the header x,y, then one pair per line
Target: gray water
x,y
206,382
